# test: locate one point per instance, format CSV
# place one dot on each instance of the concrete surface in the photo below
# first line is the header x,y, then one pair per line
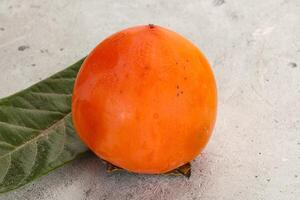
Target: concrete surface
x,y
254,48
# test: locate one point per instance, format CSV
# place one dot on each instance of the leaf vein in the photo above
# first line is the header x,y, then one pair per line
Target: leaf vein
x,y
18,126
42,134
8,144
33,109
29,171
51,94
6,171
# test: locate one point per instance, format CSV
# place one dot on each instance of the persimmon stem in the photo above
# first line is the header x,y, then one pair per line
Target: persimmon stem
x,y
151,25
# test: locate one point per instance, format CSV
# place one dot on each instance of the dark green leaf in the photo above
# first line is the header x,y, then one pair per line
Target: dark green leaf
x,y
36,132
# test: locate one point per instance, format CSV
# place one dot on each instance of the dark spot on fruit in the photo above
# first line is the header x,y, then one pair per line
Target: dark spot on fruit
x,y
2,29
155,116
181,92
268,179
33,65
177,86
185,78
121,91
61,49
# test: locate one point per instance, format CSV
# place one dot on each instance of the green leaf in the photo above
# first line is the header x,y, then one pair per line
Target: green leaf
x,y
36,131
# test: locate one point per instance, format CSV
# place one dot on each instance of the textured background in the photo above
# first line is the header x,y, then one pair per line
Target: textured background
x,y
254,49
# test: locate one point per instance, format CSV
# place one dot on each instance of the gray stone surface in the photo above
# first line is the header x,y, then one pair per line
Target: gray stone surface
x,y
254,49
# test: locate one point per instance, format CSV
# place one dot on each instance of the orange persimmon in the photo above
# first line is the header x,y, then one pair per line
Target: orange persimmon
x,y
145,100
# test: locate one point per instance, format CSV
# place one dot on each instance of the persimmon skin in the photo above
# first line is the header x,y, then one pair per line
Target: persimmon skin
x,y
145,100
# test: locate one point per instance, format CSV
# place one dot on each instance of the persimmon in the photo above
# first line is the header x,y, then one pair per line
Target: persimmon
x,y
145,100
